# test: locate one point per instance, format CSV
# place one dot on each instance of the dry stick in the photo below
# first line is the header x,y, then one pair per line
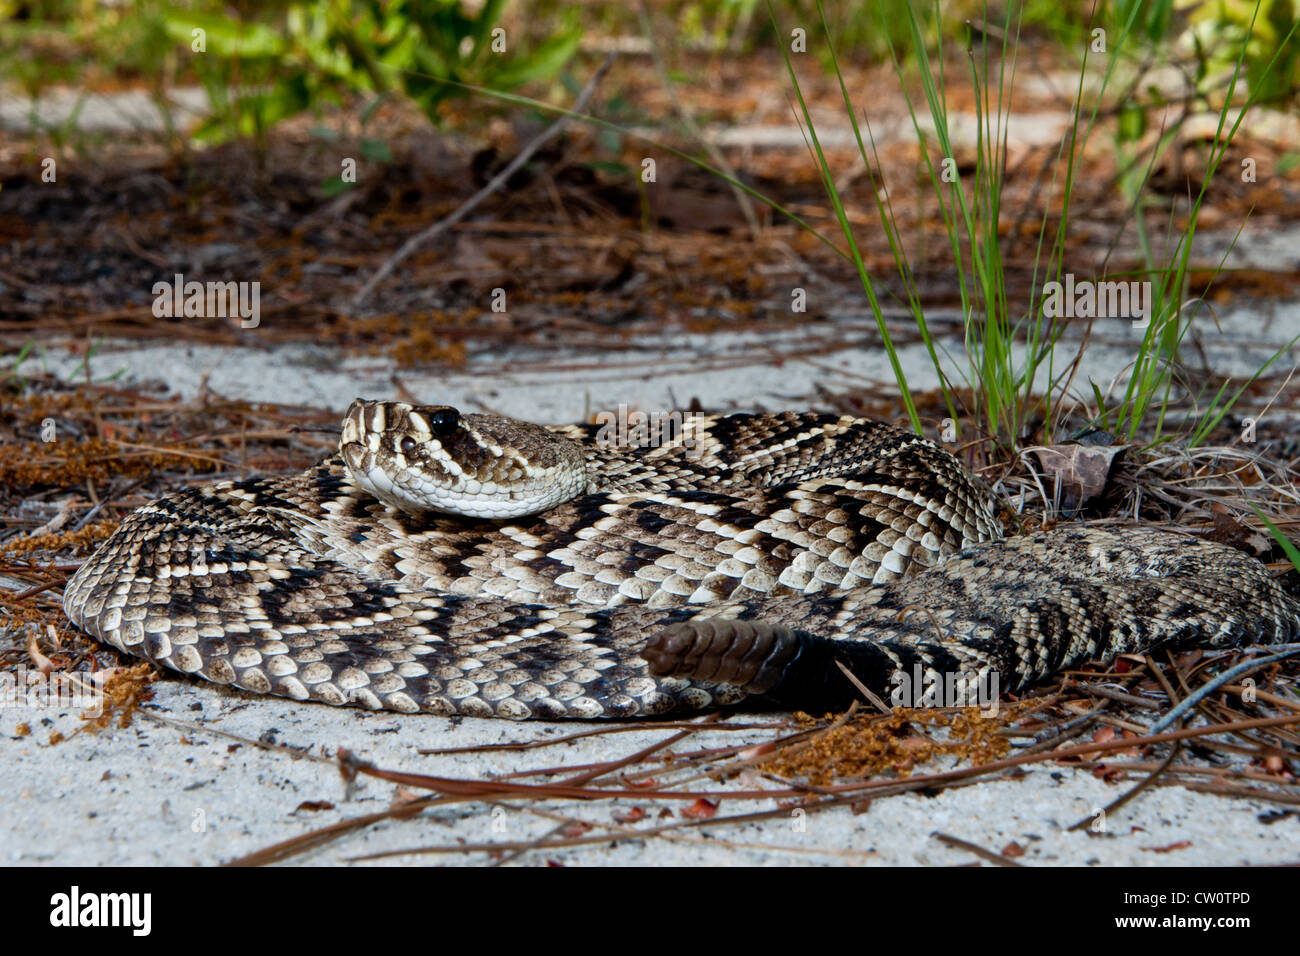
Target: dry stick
x,y
313,839
569,738
37,590
1067,752
1133,792
1226,677
865,691
316,838
975,848
493,185
754,817
1224,773
595,773
1161,679
557,830
1265,696
600,771
666,829
796,743
1099,690
1113,721
498,789
632,833
1067,730
1223,790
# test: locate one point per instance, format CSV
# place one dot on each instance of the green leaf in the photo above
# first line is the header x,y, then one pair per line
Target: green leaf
x,y
1103,416
609,140
334,185
547,59
604,166
1292,552
261,111
223,36
1132,124
369,111
376,150
486,20
571,84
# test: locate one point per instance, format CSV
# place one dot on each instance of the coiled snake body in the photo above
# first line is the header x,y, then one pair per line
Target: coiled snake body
x,y
472,564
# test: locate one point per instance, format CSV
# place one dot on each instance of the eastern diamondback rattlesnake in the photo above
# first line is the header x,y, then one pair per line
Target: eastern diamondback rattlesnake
x,y
740,558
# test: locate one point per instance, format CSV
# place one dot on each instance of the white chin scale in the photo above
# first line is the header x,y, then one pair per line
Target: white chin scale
x,y
467,497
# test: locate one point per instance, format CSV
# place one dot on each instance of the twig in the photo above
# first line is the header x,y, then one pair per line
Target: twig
x,y
1059,733
1224,790
492,186
1099,690
1209,688
520,745
1263,695
37,589
838,795
1133,792
865,691
978,850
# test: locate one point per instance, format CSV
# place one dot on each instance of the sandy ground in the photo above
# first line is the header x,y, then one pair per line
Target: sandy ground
x,y
152,794
190,794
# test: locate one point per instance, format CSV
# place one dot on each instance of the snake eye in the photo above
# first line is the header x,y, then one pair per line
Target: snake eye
x,y
444,422
408,445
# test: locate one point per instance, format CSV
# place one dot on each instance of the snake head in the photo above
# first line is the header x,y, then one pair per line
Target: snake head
x,y
431,458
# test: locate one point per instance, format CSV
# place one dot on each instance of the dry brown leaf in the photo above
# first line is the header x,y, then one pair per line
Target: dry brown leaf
x,y
1083,472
